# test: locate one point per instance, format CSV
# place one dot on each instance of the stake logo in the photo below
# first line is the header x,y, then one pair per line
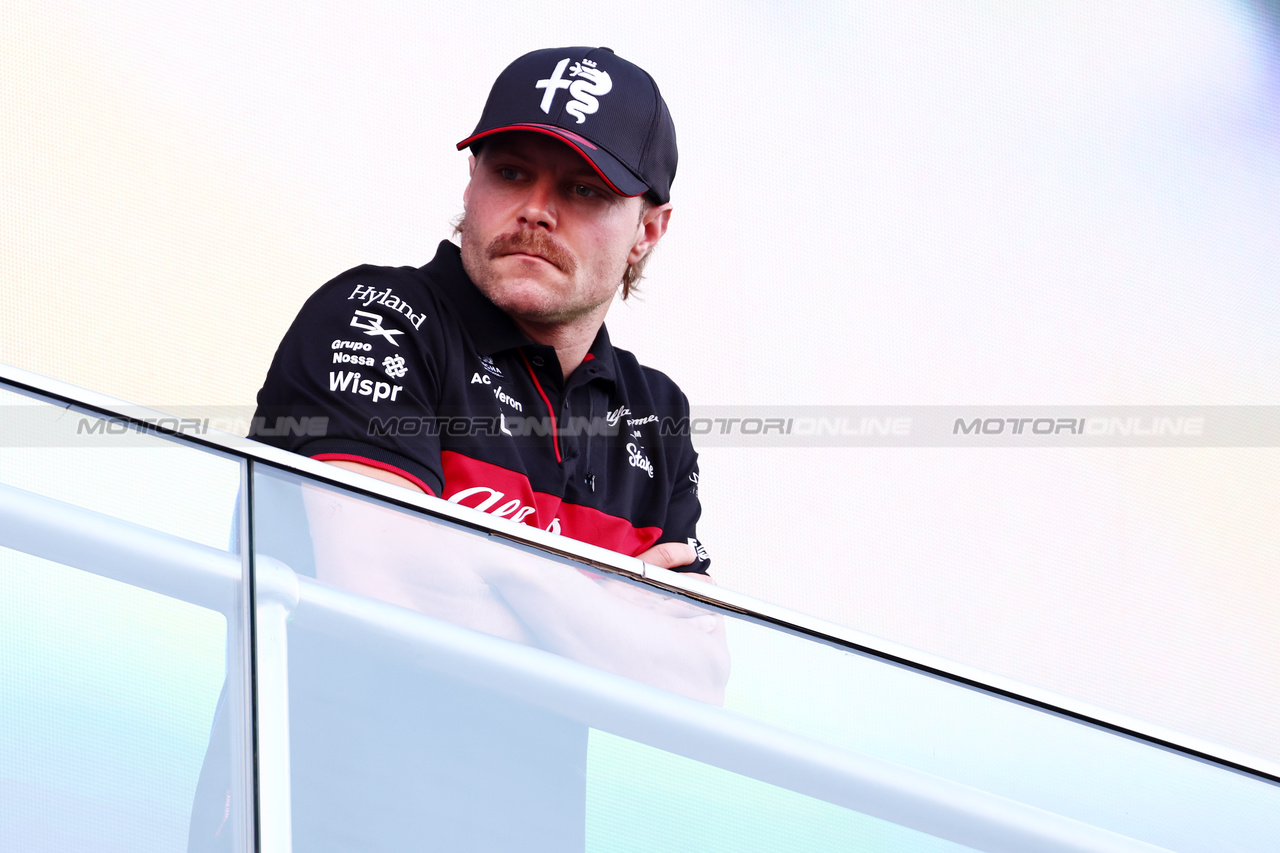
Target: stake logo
x,y
637,459
584,92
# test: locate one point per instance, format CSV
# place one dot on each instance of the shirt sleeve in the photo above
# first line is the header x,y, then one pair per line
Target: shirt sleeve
x,y
683,507
356,377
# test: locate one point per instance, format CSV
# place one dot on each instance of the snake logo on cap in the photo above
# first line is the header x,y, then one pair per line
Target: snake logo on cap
x,y
594,82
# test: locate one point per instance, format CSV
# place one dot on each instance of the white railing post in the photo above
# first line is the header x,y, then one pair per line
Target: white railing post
x,y
275,597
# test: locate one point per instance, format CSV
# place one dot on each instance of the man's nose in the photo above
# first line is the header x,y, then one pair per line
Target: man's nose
x,y
539,206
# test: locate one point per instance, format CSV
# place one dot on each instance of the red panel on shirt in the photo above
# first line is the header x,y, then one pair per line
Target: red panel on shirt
x,y
508,494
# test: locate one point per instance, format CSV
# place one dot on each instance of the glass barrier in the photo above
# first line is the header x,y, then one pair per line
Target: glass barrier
x,y
450,684
121,625
430,683
487,697
106,465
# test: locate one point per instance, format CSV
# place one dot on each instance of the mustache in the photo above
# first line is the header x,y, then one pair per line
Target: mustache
x,y
533,243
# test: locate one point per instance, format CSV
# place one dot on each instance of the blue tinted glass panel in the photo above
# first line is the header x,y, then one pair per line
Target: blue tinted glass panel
x,y
632,807
121,632
107,693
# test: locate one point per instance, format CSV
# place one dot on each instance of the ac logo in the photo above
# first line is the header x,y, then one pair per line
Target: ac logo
x,y
584,92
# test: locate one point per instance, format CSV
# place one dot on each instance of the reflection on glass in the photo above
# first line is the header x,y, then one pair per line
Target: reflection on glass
x,y
460,728
385,750
516,594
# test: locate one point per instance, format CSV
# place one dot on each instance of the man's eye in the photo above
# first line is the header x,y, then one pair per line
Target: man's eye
x,y
583,191
508,173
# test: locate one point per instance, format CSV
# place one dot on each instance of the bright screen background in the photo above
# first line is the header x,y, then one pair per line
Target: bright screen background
x,y
879,204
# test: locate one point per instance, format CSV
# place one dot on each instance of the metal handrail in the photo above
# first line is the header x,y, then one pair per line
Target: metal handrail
x,y
117,549
101,405
196,573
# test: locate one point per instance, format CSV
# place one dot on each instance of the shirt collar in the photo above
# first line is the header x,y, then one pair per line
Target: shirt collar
x,y
491,330
601,361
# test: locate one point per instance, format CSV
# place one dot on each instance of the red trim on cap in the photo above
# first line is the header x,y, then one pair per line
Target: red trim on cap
x,y
567,137
567,134
374,463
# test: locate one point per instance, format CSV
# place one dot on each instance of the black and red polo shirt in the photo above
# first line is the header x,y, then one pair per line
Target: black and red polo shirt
x,y
416,372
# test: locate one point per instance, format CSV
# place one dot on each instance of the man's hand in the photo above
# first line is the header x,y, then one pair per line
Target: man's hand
x,y
669,555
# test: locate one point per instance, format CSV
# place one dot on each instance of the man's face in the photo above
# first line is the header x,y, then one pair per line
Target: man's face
x,y
545,238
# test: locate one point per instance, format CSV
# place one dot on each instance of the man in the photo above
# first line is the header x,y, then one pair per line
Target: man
x,y
487,378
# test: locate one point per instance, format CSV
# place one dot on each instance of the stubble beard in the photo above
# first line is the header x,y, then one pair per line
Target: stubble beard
x,y
478,261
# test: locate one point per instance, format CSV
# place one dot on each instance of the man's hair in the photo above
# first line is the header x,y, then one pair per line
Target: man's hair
x,y
630,276
634,272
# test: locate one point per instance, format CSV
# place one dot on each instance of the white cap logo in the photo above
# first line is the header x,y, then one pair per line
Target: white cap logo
x,y
593,82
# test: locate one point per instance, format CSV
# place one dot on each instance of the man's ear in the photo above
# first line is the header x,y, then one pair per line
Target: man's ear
x,y
653,224
471,173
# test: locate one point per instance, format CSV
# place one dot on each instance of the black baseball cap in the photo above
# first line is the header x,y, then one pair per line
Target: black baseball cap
x,y
605,108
